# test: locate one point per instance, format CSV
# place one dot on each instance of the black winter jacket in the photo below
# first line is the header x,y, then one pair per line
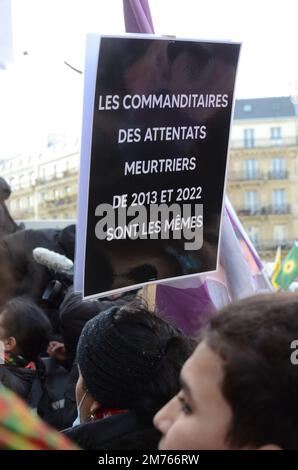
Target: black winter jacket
x,y
24,382
127,431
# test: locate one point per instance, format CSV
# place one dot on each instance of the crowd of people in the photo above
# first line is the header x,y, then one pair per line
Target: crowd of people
x,y
111,374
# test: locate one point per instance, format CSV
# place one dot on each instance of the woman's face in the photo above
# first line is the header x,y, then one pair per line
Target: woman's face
x,y
85,402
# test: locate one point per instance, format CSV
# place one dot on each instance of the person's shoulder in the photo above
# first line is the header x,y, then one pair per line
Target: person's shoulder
x,y
17,379
125,430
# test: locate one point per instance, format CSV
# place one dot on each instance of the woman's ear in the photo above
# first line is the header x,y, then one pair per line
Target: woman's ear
x,y
10,343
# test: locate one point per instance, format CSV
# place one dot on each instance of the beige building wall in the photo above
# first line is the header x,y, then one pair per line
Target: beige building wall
x,y
263,181
43,186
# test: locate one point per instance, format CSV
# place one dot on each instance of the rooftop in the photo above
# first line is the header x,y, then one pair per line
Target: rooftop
x,y
258,108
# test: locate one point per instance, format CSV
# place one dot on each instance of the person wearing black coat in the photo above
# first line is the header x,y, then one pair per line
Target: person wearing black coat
x,y
74,313
24,335
24,381
126,431
129,361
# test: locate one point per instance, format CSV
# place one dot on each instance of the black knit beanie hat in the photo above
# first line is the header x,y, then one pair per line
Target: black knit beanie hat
x,y
116,371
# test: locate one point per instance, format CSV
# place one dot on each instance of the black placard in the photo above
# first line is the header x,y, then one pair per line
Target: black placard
x,y
158,142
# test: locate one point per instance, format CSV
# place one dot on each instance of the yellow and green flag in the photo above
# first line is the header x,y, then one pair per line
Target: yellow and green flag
x,y
289,269
276,269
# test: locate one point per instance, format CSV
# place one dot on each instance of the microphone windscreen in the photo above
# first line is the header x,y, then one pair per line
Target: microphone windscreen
x,y
52,260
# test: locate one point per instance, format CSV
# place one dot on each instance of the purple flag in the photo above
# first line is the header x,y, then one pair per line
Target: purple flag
x,y
190,302
137,16
188,309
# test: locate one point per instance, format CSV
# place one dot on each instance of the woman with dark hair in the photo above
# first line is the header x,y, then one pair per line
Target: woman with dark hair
x,y
129,362
24,334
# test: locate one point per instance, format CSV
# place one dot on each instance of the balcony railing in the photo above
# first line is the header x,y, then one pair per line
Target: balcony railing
x,y
266,210
242,176
263,143
278,175
56,176
264,245
258,175
62,201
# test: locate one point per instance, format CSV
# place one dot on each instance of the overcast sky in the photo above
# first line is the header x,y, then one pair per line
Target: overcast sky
x,y
39,94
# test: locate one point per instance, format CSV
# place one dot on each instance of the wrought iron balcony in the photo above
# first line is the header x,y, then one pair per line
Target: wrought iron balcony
x,y
258,175
41,180
61,201
243,176
278,209
291,141
278,175
263,245
265,210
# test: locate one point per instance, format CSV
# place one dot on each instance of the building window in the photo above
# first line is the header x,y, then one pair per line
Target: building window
x,y
247,108
252,201
47,173
23,203
279,200
13,205
42,197
278,168
276,106
280,234
23,181
249,139
275,135
250,169
254,235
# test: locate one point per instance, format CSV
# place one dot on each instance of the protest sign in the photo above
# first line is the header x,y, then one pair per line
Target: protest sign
x,y
156,123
